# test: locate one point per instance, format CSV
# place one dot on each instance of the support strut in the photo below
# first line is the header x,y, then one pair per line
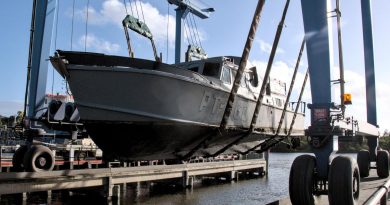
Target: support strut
x,y
266,144
269,67
243,62
239,76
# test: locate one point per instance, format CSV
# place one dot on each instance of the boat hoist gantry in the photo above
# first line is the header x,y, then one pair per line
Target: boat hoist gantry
x,y
321,174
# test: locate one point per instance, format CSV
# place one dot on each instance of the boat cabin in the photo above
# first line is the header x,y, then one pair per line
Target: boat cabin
x,y
222,70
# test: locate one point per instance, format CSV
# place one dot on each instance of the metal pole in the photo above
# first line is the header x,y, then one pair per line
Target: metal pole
x,y
369,62
179,31
32,28
377,196
341,60
268,70
241,68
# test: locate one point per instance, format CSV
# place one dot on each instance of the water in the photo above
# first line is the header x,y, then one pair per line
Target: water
x,y
246,191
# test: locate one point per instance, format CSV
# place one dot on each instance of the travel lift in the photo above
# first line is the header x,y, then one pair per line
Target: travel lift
x,y
320,174
327,124
184,7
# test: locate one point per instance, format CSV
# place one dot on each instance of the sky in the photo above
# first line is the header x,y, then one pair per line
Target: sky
x,y
224,33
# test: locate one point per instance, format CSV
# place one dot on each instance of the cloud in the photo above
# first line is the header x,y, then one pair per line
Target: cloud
x,y
355,84
113,12
283,71
266,47
97,44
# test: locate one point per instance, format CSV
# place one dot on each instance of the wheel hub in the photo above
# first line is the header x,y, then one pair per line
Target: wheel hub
x,y
42,161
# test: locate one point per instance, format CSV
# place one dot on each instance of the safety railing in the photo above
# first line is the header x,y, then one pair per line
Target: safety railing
x,y
379,196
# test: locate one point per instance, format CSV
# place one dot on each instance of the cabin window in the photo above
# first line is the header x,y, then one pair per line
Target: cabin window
x,y
211,69
226,75
195,69
268,89
278,102
252,77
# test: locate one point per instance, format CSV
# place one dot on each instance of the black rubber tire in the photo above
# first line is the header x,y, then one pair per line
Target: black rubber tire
x,y
301,182
363,160
382,163
38,158
17,158
343,181
80,155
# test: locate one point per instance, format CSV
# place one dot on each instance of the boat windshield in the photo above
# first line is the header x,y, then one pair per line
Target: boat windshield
x,y
211,69
226,78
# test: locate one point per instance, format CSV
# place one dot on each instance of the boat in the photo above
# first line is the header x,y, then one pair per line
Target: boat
x,y
139,109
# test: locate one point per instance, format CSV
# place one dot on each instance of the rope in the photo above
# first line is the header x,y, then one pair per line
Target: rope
x,y
189,30
142,11
124,3
167,34
192,30
131,8
86,27
71,36
185,31
136,8
196,29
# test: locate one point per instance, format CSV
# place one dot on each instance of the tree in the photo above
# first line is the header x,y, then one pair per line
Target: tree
x,y
386,133
19,117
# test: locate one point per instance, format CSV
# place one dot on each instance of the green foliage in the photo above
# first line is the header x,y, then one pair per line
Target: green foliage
x,y
343,146
384,143
19,117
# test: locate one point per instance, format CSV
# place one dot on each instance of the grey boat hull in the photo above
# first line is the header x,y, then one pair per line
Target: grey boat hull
x,y
162,112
